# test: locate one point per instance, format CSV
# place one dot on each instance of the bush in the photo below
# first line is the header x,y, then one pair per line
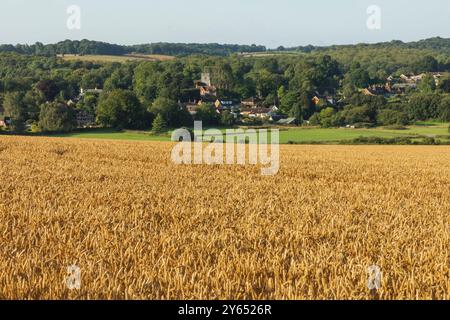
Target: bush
x,y
363,125
393,141
174,115
389,117
15,108
431,141
353,115
35,127
227,119
315,119
380,140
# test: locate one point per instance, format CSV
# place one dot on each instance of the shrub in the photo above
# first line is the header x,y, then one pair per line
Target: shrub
x,y
159,124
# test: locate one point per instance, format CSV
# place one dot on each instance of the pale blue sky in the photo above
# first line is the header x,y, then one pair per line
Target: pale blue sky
x,y
267,22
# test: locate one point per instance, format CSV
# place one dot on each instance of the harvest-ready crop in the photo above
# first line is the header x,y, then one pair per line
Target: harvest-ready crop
x,y
140,227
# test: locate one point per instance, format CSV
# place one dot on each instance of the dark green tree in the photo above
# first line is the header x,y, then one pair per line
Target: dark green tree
x,y
15,109
427,64
297,113
48,88
159,125
56,117
227,119
423,106
444,84
444,109
327,117
288,100
208,115
428,84
388,117
174,115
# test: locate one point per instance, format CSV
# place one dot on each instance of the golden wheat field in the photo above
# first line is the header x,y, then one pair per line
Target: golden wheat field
x,y
140,227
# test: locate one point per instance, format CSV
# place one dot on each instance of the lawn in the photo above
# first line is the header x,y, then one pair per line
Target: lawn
x,y
341,134
332,135
300,135
114,135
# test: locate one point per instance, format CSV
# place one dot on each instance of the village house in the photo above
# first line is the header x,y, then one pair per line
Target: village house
x,y
316,100
409,82
5,122
84,119
437,77
190,96
251,102
259,112
83,92
202,92
378,90
411,78
398,86
275,114
322,99
254,112
226,105
401,88
208,91
192,108
416,79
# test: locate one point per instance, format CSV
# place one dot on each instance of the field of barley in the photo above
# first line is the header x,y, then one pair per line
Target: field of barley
x,y
140,227
119,59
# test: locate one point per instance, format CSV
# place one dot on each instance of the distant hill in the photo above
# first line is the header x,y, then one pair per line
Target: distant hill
x,y
88,47
437,44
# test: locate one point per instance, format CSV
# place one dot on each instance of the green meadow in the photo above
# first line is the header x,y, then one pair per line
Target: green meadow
x,y
288,135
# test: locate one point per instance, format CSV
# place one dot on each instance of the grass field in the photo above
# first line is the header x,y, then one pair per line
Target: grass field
x,y
305,135
120,59
343,134
140,227
114,135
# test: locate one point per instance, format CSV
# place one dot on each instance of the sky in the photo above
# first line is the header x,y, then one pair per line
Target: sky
x,y
264,22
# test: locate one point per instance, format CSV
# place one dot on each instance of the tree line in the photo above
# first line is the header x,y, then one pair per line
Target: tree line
x,y
437,45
